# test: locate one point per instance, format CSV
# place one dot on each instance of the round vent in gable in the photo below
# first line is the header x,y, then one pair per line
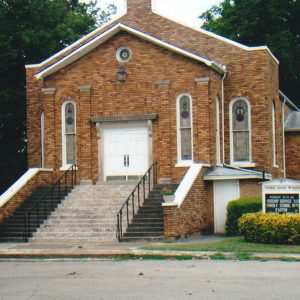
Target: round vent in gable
x,y
124,54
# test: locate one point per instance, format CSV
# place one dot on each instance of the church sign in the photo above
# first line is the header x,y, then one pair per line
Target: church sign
x,y
281,196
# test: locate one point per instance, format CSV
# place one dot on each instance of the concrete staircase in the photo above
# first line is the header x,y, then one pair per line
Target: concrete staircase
x,y
148,223
88,214
12,230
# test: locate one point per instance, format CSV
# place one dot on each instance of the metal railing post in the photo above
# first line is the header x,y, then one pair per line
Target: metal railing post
x,y
43,199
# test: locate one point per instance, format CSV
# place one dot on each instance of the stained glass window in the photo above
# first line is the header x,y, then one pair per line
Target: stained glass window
x,y
185,128
70,134
240,131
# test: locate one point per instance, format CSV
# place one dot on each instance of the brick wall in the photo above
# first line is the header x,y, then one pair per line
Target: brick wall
x,y
107,97
40,179
292,150
250,188
252,74
191,217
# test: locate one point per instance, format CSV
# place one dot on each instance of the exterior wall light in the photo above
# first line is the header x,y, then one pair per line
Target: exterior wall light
x,y
121,75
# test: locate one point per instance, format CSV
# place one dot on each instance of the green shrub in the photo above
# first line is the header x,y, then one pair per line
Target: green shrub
x,y
295,239
236,208
270,228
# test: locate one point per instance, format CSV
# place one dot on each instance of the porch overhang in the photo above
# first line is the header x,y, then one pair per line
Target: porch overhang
x,y
233,173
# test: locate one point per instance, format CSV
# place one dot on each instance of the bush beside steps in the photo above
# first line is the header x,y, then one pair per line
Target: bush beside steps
x,y
270,228
236,208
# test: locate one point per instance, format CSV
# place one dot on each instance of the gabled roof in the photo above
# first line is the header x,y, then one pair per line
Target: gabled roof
x,y
110,32
228,172
288,101
219,37
292,122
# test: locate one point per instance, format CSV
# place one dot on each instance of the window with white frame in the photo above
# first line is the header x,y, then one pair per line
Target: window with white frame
x,y
184,128
240,126
69,133
274,134
218,140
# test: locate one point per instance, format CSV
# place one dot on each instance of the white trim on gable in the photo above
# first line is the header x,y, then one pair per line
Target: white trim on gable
x,y
221,38
95,42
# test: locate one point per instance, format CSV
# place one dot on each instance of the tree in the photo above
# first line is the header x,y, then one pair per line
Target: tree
x,y
30,31
275,23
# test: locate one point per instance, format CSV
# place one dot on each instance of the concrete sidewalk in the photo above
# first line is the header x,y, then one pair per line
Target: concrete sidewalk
x,y
115,249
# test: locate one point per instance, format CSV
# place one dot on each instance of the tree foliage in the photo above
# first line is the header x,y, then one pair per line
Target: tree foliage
x,y
30,31
275,23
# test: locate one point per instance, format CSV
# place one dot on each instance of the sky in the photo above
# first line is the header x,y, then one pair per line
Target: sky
x,y
186,11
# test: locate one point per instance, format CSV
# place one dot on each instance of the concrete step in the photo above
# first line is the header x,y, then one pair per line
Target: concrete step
x,y
82,229
144,234
87,221
89,212
73,234
137,229
70,240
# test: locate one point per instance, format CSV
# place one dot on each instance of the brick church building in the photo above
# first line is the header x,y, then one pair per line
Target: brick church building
x,y
144,89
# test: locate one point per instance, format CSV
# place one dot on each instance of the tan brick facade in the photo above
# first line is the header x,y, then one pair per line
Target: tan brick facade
x,y
90,82
40,179
292,150
191,217
251,74
250,188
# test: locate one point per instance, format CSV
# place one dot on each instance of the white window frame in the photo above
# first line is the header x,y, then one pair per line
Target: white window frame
x,y
65,166
218,137
274,134
248,163
180,162
42,139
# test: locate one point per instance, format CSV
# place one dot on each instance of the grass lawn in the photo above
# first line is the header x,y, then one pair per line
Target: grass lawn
x,y
232,244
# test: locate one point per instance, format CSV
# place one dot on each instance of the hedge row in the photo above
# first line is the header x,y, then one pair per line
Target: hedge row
x,y
236,208
270,228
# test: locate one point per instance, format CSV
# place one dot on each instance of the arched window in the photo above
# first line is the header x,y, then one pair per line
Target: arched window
x,y
274,134
69,133
240,128
218,139
184,128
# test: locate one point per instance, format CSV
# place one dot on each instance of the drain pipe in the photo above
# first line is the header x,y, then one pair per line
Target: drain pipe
x,y
283,139
223,118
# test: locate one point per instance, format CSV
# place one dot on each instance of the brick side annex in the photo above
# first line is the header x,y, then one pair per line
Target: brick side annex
x,y
168,60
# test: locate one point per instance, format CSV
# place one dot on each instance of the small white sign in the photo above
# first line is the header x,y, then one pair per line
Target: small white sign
x,y
281,196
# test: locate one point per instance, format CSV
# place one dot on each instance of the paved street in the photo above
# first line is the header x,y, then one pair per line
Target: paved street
x,y
105,279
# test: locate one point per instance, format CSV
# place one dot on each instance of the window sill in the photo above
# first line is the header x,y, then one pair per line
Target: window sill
x,y
184,164
66,168
243,164
275,166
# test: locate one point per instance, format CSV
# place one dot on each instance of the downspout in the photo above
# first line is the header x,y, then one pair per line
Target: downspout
x,y
283,138
223,119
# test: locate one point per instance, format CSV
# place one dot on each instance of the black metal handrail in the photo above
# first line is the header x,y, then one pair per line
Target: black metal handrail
x,y
67,179
136,199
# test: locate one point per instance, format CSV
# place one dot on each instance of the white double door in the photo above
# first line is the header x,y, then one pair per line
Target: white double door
x,y
126,153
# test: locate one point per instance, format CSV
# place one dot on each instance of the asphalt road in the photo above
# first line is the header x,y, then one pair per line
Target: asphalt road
x,y
104,279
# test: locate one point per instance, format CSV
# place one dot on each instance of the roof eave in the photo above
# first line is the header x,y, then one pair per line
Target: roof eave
x,y
235,177
289,101
92,44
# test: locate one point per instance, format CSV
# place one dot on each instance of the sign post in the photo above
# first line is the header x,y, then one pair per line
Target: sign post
x,y
281,196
